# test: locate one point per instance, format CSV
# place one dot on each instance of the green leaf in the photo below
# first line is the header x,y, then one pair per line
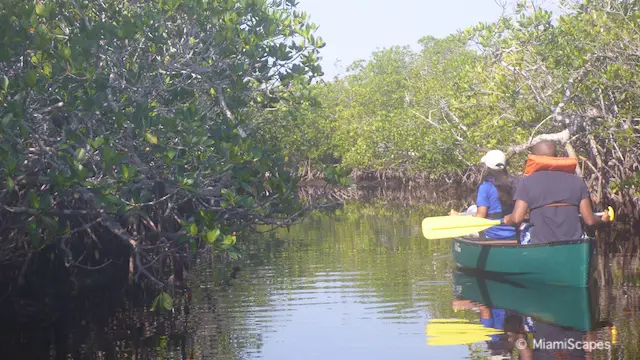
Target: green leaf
x,y
151,138
65,53
167,302
125,171
96,143
10,183
34,234
229,240
81,172
7,119
42,10
45,200
193,229
81,155
46,68
212,235
233,254
49,222
4,83
34,201
30,78
162,302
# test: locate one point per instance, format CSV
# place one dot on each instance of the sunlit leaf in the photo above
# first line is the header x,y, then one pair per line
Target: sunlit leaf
x,y
42,10
212,235
162,302
151,138
4,83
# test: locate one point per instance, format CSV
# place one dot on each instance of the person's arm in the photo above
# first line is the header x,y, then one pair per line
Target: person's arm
x,y
587,214
485,312
586,210
482,211
526,354
589,337
518,214
482,200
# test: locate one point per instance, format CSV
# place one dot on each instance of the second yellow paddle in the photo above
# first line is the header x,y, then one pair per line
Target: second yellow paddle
x,y
443,227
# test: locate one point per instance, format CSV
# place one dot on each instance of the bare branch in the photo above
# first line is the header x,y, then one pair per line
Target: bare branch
x,y
561,137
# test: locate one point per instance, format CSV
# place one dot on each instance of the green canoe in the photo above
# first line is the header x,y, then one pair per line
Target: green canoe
x,y
565,306
559,263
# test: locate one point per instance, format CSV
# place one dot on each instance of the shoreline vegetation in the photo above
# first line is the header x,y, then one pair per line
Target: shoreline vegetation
x,y
138,136
425,117
127,147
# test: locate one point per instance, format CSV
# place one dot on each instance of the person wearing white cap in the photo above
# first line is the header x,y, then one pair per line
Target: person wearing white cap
x,y
495,195
495,159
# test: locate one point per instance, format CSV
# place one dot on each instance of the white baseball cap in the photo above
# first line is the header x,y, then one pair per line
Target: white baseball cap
x,y
494,159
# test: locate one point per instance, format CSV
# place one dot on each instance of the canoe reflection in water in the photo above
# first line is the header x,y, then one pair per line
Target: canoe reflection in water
x,y
534,320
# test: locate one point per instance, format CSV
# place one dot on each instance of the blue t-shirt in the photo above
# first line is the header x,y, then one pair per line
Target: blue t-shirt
x,y
488,196
496,321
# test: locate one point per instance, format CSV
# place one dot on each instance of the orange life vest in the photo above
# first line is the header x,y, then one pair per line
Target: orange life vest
x,y
539,162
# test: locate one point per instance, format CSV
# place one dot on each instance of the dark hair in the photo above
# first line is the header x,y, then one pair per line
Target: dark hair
x,y
504,183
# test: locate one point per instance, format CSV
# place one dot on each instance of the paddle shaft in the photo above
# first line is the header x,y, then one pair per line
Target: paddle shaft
x,y
595,214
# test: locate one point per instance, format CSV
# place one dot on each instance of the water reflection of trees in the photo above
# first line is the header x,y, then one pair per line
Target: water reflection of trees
x,y
358,238
380,246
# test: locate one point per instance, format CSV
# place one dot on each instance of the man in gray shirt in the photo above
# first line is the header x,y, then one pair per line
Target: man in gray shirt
x,y
554,198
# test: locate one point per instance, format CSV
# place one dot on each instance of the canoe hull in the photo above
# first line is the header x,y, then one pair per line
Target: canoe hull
x,y
560,263
566,306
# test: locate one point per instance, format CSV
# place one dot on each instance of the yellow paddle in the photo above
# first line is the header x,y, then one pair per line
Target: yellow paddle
x,y
456,340
457,332
446,227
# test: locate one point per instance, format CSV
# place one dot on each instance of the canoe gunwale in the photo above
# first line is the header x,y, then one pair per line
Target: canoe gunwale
x,y
484,243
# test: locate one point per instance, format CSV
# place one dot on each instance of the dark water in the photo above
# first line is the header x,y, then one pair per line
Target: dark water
x,y
359,284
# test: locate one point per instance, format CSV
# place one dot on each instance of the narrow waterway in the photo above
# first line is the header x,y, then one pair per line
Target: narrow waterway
x,y
361,283
336,287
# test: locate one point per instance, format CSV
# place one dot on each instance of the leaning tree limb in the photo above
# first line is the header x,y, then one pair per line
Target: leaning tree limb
x,y
561,137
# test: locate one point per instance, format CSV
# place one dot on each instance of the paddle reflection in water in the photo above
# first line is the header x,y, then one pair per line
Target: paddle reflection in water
x,y
534,320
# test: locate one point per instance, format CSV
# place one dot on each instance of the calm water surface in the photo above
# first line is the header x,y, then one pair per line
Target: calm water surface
x,y
340,287
359,284
363,284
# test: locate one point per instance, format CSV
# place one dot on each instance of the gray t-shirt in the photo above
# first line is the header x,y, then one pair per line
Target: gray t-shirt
x,y
553,223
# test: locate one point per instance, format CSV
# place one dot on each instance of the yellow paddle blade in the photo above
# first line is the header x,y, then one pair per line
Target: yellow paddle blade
x,y
612,213
446,326
456,340
457,332
445,227
432,329
433,321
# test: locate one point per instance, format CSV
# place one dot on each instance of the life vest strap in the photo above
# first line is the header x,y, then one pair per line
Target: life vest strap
x,y
554,204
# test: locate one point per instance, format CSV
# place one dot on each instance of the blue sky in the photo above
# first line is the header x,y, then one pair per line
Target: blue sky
x,y
353,29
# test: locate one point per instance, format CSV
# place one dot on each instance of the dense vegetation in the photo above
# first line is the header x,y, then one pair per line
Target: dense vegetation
x,y
132,133
125,133
571,78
